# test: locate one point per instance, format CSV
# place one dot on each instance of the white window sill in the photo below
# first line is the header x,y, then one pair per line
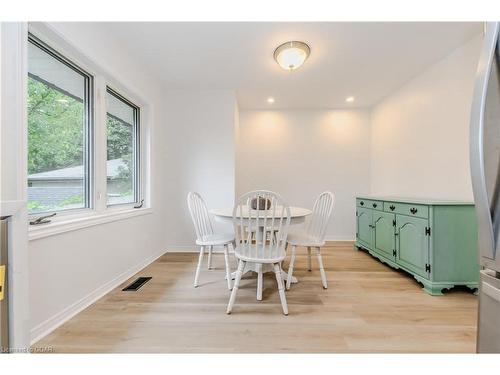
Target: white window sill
x,y
71,224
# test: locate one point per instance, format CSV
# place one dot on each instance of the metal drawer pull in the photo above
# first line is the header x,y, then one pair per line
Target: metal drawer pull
x,y
361,203
374,205
392,207
413,210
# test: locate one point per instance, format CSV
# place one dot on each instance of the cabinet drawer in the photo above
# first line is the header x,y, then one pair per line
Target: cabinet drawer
x,y
370,203
418,210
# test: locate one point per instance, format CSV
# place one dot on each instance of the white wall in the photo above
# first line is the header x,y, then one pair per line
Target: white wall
x,y
420,133
299,154
69,269
199,154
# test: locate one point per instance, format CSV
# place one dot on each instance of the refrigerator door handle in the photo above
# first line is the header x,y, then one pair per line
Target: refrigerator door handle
x,y
2,281
486,234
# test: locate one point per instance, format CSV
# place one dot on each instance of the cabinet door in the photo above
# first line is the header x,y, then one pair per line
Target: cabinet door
x,y
412,244
364,226
384,239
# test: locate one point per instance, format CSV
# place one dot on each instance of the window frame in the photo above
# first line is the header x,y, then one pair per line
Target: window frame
x,y
98,212
136,150
89,121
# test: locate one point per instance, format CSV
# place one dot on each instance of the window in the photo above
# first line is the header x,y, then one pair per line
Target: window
x,y
86,153
59,131
122,166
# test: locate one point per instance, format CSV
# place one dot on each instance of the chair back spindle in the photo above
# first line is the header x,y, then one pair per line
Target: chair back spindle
x,y
200,216
321,213
273,219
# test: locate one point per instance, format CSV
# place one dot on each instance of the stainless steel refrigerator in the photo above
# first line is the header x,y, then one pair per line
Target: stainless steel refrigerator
x,y
485,171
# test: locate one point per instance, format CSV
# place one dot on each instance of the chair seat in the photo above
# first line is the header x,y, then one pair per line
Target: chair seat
x,y
303,239
248,253
215,239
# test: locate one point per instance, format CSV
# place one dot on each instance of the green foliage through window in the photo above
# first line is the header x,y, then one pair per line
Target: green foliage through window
x,y
55,129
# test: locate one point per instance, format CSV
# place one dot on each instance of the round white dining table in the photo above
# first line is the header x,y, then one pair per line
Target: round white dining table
x,y
297,216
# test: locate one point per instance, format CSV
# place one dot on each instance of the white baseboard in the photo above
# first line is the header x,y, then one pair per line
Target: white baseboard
x,y
195,248
192,249
339,238
183,249
49,325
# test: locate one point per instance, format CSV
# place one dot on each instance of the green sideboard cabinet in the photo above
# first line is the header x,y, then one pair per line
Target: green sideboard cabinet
x,y
433,240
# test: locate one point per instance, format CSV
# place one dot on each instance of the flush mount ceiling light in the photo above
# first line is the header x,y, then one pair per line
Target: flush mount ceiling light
x,y
270,100
291,55
349,99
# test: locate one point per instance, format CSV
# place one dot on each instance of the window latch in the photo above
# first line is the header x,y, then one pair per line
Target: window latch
x,y
43,219
140,204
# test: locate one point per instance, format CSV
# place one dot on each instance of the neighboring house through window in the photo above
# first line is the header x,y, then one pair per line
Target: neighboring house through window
x,y
67,182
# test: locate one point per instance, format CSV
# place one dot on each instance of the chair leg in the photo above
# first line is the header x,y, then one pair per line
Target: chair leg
x,y
198,267
309,266
209,264
260,279
290,268
239,272
321,269
281,288
228,269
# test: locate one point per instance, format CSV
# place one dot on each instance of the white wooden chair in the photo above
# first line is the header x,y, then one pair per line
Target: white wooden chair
x,y
313,235
261,250
206,237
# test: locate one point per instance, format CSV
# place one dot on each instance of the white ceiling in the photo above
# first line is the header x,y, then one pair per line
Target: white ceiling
x,y
365,60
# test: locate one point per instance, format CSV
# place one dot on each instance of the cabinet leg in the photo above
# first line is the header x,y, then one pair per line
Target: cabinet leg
x,y
433,290
474,288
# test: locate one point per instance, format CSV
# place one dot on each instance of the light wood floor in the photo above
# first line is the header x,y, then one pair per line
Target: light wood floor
x,y
368,307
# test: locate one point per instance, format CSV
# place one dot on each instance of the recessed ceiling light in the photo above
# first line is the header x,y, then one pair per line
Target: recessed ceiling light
x,y
291,55
349,99
270,100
